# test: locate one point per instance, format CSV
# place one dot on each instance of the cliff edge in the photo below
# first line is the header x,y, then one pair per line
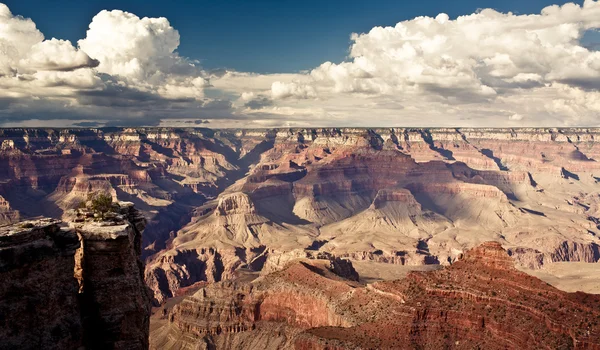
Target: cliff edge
x,y
81,284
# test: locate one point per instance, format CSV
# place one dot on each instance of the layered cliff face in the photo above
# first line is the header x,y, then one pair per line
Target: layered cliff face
x,y
400,196
220,201
479,301
78,286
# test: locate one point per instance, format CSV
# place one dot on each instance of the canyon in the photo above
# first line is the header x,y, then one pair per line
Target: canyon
x,y
217,201
302,238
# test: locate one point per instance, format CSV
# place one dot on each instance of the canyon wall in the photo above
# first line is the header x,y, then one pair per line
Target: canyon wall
x,y
217,201
70,287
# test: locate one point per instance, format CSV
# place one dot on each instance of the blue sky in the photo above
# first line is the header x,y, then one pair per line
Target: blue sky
x,y
295,63
258,35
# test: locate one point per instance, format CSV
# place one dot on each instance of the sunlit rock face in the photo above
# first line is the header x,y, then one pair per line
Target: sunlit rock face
x,y
217,201
399,196
481,300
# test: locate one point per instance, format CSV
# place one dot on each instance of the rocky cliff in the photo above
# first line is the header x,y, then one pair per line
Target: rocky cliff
x,y
39,305
481,301
81,285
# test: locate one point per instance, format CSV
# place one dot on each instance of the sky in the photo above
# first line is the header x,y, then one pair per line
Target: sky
x,y
300,63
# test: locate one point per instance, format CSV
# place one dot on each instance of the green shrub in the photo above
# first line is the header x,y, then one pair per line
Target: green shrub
x,y
102,204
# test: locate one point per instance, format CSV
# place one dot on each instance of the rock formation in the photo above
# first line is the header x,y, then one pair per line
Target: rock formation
x,y
400,196
68,287
218,201
481,301
39,306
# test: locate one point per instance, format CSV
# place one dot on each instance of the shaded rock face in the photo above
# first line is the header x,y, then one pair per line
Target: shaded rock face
x,y
115,303
68,287
480,301
39,306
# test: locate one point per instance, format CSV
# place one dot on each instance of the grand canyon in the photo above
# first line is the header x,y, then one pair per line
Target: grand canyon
x,y
308,238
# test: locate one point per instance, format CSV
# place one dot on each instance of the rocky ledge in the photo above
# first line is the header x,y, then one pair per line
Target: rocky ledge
x,y
73,284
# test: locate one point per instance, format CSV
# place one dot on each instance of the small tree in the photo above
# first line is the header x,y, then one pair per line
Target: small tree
x,y
102,204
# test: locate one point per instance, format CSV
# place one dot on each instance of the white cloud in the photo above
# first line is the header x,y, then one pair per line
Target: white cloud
x,y
17,36
281,90
57,55
479,69
129,46
478,62
470,58
23,49
142,51
126,67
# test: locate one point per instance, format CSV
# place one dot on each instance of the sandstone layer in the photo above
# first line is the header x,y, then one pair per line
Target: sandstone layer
x,y
480,301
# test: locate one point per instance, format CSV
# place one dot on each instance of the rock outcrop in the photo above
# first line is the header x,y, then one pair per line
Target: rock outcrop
x,y
39,307
480,301
7,214
115,301
78,286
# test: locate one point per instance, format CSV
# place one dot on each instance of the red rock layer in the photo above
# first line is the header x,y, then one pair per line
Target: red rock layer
x,y
480,301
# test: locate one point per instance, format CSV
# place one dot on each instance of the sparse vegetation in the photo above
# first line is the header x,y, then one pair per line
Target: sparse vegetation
x,y
101,204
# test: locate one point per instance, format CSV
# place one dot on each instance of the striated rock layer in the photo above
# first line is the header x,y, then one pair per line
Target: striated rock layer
x,y
218,201
481,301
71,287
396,196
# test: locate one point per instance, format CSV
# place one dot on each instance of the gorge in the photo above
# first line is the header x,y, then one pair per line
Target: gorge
x,y
232,213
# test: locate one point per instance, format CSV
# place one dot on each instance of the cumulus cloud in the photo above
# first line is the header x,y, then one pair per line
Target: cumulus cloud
x,y
125,67
58,55
478,69
281,90
24,50
474,57
129,46
142,51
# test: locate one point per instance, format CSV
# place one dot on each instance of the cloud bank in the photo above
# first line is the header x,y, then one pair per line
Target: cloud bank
x,y
482,69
